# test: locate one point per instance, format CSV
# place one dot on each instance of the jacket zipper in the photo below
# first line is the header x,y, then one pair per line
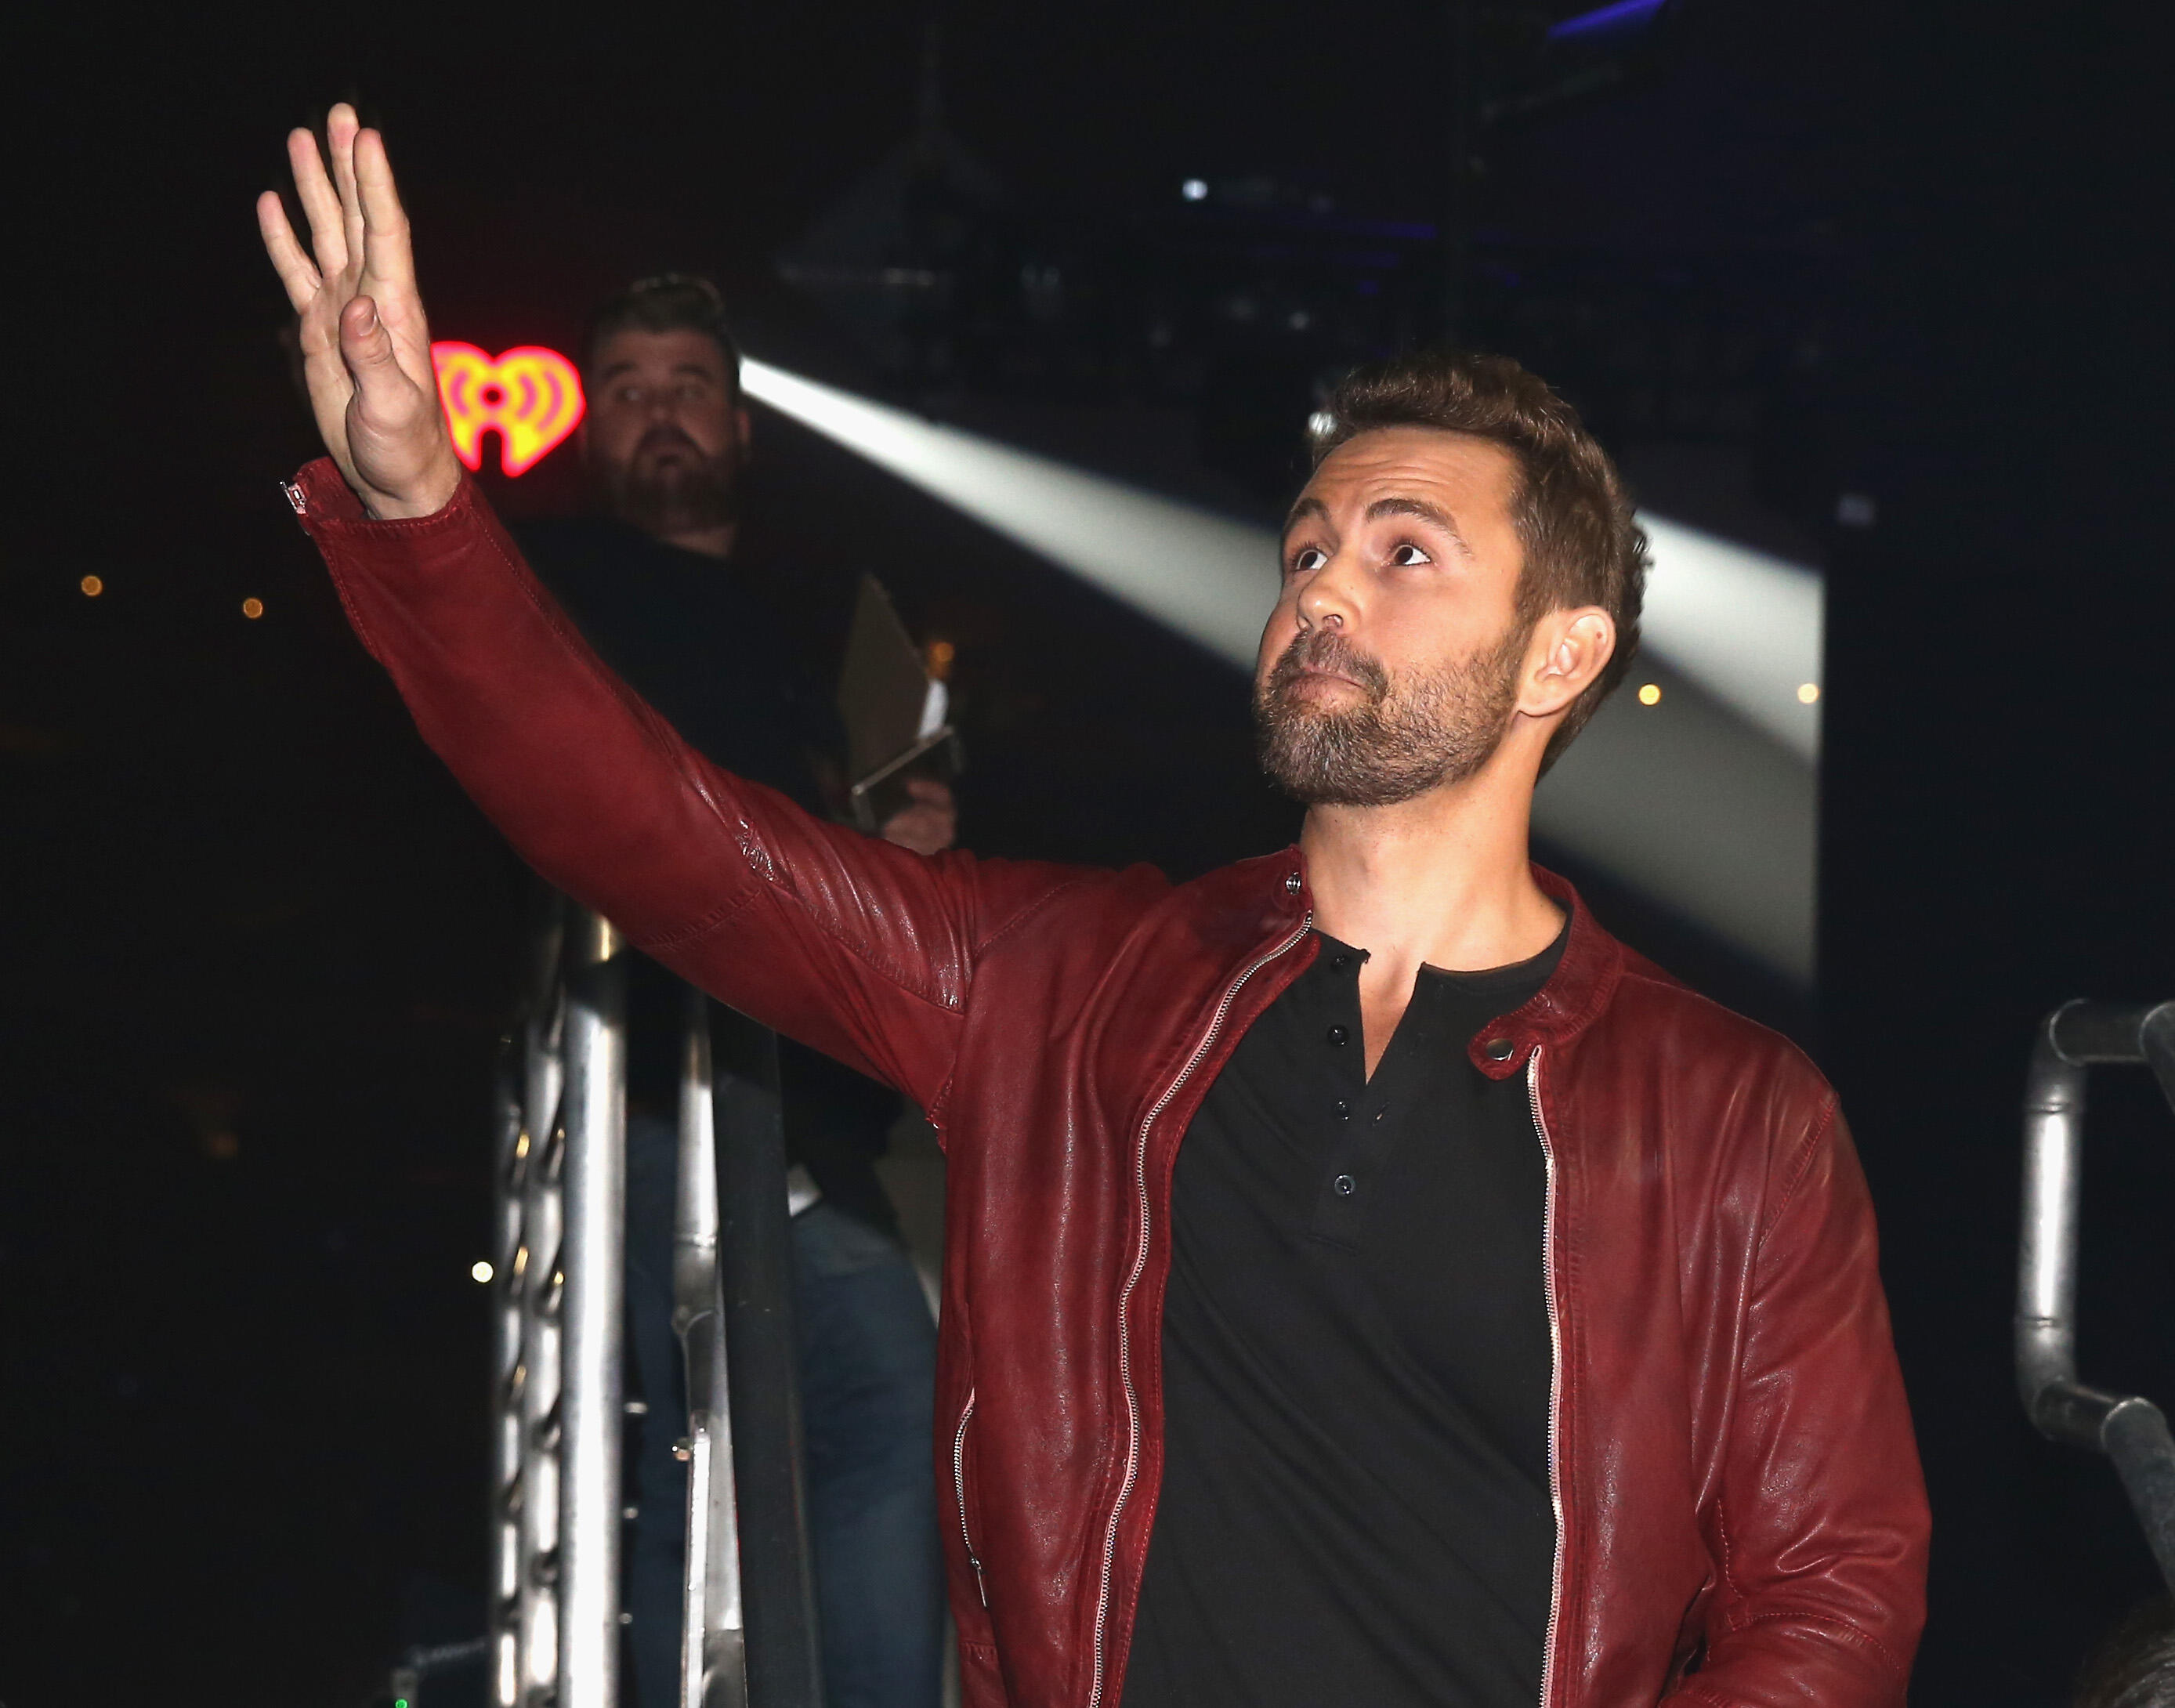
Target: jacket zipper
x,y
1125,1296
1555,1373
959,1482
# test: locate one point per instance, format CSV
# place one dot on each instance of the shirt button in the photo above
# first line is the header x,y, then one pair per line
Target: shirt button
x,y
1338,1037
1499,1048
1344,1109
1346,1186
1292,884
1337,964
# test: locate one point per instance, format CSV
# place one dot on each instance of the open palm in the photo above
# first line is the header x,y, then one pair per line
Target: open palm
x,y
366,344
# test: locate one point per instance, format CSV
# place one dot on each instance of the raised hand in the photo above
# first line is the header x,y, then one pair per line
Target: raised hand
x,y
365,346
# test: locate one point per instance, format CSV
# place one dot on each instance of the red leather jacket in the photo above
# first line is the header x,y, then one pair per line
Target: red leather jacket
x,y
1739,1512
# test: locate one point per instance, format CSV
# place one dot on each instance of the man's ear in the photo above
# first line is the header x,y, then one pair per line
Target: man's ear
x,y
1570,650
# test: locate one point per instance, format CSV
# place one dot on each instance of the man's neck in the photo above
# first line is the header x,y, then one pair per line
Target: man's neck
x,y
1441,880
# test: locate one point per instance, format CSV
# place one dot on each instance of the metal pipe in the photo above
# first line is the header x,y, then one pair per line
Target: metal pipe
x,y
2156,1034
755,1262
2136,1437
2047,1253
593,1310
527,1669
2131,1431
713,1654
511,1160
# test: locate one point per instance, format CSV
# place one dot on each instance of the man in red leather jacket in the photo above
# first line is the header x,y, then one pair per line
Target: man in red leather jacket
x,y
1508,1326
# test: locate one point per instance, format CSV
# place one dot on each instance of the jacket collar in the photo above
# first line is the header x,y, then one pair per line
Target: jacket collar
x,y
1574,997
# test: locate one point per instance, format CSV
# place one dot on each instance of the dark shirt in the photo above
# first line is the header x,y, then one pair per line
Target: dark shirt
x,y
700,639
1357,1359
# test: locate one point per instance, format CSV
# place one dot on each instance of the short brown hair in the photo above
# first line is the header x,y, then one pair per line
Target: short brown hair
x,y
668,302
1571,509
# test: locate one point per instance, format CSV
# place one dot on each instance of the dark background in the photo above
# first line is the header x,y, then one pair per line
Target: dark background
x,y
253,941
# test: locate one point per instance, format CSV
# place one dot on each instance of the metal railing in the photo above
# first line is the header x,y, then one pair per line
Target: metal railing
x,y
558,1399
712,1618
2130,1430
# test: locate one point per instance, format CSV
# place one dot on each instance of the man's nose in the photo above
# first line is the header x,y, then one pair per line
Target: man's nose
x,y
1329,598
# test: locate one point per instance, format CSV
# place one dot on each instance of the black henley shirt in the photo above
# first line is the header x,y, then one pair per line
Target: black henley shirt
x,y
1356,1357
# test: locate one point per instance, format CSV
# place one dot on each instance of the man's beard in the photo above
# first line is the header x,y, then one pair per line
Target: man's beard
x,y
1409,734
688,496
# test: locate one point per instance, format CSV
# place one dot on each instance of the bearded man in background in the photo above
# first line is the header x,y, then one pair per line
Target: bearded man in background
x,y
668,584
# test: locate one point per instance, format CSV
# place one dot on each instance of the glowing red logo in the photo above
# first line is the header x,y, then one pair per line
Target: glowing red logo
x,y
532,396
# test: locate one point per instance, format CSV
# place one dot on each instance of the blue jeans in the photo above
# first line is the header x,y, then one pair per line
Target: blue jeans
x,y
868,1376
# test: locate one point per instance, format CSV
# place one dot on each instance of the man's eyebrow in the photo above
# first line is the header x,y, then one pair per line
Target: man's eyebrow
x,y
1308,506
618,368
1424,511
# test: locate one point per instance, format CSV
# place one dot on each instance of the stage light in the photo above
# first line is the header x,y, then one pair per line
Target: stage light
x,y
1649,694
252,608
1712,810
480,1270
1194,189
531,395
1807,693
92,585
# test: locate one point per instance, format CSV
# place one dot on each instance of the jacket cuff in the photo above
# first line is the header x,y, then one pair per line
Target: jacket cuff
x,y
328,508
381,570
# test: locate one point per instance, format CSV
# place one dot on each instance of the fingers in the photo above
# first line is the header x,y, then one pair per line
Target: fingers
x,y
341,125
288,260
388,257
320,206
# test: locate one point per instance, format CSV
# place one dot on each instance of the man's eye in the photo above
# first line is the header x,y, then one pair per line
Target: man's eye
x,y
1308,559
1408,555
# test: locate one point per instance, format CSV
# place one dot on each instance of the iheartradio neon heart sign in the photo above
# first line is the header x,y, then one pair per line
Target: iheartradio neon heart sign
x,y
531,395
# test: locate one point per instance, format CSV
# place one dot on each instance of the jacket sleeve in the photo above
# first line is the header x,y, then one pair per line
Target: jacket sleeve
x,y
862,950
1821,1523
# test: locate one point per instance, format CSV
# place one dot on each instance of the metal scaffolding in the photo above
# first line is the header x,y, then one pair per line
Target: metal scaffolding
x,y
558,1395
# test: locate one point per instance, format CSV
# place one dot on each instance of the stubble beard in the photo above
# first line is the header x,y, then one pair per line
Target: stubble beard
x,y
698,492
1410,733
